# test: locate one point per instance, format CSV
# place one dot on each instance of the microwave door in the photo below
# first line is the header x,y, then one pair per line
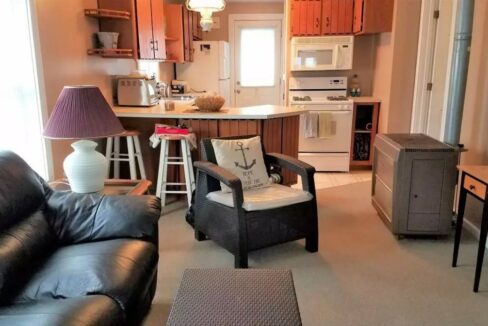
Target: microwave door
x,y
336,56
315,58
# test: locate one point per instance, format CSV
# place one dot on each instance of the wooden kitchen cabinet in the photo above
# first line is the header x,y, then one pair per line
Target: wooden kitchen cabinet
x,y
365,128
150,29
337,16
140,24
306,17
182,28
372,16
340,17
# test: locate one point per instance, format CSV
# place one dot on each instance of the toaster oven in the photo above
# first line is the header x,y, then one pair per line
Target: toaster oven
x,y
137,92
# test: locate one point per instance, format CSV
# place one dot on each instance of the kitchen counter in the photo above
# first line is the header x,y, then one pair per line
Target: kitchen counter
x,y
365,99
278,127
262,112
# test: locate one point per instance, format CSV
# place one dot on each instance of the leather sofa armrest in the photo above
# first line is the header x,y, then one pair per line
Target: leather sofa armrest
x,y
79,218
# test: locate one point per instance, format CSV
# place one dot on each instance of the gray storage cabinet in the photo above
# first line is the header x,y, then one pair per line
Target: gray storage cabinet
x,y
414,177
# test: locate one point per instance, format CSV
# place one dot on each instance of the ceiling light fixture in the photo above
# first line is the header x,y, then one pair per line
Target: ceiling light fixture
x,y
206,8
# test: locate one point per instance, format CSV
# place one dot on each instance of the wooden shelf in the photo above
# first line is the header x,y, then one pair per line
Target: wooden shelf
x,y
112,53
171,39
362,131
107,13
361,163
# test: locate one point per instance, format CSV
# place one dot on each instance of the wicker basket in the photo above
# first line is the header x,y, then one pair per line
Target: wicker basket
x,y
209,103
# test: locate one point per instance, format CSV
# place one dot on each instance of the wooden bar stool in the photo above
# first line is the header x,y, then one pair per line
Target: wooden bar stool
x,y
113,154
165,160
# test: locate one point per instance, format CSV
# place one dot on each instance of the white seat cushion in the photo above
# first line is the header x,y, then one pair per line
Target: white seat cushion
x,y
260,199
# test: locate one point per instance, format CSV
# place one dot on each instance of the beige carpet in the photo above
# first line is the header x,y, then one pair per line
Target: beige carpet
x,y
362,275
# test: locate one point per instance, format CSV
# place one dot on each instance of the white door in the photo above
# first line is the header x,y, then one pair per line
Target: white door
x,y
433,65
257,62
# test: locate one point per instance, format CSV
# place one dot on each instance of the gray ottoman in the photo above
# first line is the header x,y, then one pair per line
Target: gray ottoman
x,y
235,297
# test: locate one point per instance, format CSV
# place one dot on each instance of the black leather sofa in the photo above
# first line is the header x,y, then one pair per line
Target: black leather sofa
x,y
72,259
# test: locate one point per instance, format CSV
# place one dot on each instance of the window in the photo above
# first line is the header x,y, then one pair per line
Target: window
x,y
20,105
258,57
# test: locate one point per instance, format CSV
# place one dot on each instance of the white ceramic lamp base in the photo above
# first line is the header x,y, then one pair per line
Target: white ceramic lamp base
x,y
85,168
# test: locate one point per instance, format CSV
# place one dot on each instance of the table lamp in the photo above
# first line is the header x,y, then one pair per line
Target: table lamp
x,y
81,112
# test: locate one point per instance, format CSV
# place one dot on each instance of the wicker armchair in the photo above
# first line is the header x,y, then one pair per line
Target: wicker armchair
x,y
240,231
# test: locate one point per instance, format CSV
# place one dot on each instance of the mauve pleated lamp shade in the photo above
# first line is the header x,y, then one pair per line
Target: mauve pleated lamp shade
x,y
81,112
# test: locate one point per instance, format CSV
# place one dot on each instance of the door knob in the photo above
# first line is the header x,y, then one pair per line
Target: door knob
x,y
238,91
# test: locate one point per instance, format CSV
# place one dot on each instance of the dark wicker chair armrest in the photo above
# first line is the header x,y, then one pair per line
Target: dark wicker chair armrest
x,y
304,170
224,176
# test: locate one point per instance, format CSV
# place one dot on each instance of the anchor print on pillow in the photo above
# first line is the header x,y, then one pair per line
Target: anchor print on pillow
x,y
244,158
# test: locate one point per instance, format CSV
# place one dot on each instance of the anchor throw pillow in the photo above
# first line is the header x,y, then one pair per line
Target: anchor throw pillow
x,y
244,158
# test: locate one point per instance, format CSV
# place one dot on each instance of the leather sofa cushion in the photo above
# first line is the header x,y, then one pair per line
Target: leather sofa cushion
x,y
78,218
93,310
120,269
22,248
22,191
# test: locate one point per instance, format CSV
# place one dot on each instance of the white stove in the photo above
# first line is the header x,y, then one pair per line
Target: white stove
x,y
325,131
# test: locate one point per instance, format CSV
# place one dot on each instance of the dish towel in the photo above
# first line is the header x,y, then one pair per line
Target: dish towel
x,y
155,140
325,125
311,124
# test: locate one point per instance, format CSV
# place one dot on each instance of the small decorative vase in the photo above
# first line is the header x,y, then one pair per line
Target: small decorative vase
x,y
85,168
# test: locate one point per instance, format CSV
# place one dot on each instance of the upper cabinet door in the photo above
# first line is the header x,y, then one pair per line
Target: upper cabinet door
x,y
306,17
145,30
187,37
326,16
348,16
158,26
314,17
295,17
358,16
376,16
334,23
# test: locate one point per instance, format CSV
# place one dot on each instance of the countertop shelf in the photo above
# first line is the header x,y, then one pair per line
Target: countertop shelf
x,y
107,13
112,53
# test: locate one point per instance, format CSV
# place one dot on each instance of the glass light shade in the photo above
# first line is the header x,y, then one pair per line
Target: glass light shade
x,y
205,5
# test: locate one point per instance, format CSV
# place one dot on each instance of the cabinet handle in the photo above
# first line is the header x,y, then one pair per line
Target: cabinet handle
x,y
328,21
415,196
472,187
152,44
317,22
157,46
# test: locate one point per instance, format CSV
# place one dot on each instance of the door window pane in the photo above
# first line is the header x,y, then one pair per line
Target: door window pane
x,y
20,109
258,57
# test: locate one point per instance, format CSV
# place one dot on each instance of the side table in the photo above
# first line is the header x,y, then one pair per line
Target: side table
x,y
474,181
112,187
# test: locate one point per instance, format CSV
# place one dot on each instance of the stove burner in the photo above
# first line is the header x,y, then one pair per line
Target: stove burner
x,y
337,98
304,98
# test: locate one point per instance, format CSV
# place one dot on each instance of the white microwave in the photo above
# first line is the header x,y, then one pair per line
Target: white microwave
x,y
322,53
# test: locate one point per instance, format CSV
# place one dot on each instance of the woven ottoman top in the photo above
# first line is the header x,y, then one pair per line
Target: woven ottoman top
x,y
235,297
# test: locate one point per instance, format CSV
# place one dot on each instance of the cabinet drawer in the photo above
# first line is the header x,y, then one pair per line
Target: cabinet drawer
x,y
384,168
475,187
384,198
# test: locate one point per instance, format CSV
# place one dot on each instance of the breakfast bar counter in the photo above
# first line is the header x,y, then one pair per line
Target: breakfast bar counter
x,y
261,112
278,127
